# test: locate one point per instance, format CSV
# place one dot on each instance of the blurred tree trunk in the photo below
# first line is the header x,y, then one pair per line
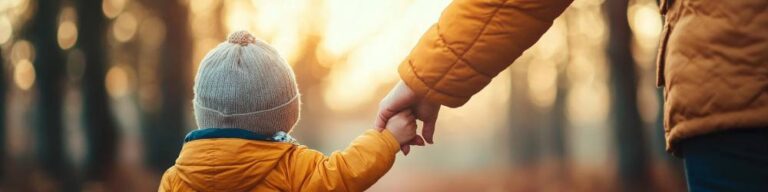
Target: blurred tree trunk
x,y
524,124
49,82
164,129
3,106
559,122
101,132
633,157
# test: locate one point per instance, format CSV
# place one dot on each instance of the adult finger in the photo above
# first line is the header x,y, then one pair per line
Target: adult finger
x,y
384,114
427,113
429,130
399,98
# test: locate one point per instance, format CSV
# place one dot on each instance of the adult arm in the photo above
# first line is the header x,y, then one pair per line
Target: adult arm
x,y
471,43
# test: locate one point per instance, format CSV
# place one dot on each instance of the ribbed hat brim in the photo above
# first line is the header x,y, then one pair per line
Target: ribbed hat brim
x,y
266,122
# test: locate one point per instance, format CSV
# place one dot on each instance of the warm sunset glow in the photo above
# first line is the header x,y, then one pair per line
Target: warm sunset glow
x,y
545,122
358,46
283,24
238,17
373,43
362,43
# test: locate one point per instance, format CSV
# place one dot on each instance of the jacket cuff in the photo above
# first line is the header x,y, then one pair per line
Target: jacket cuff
x,y
423,91
389,139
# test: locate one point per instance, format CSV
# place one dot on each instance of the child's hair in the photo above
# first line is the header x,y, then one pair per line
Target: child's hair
x,y
244,83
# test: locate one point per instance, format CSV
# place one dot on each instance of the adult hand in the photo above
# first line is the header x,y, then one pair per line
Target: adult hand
x,y
401,97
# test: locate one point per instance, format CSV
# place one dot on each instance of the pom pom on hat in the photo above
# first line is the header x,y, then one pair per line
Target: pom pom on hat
x,y
241,37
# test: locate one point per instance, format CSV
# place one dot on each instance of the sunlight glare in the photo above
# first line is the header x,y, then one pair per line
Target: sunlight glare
x,y
372,52
645,22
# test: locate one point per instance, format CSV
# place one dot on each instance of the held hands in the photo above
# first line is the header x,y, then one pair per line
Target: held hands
x,y
403,127
402,98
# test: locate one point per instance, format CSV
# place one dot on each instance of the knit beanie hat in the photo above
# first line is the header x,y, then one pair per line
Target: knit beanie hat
x,y
243,83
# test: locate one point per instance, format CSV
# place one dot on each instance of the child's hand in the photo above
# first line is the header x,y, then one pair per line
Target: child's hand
x,y
402,126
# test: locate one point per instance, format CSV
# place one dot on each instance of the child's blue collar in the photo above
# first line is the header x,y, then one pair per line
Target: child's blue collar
x,y
212,133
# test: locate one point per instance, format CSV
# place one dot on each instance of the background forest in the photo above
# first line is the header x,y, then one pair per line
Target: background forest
x,y
96,95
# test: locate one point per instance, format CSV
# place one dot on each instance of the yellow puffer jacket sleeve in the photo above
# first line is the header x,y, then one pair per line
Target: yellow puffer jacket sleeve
x,y
472,42
356,168
168,180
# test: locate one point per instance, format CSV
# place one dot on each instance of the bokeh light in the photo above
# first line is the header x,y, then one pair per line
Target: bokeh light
x,y
24,74
117,81
67,34
152,32
542,82
645,22
22,50
124,27
6,30
112,8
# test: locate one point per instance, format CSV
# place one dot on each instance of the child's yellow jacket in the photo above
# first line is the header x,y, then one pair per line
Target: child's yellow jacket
x,y
231,164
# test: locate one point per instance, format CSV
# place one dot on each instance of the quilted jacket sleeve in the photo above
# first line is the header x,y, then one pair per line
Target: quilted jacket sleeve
x,y
356,168
472,42
166,182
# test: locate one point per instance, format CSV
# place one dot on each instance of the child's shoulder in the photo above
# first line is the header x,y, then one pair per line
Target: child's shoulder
x,y
170,180
303,152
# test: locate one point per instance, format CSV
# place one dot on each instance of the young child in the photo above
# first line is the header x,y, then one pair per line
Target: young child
x,y
246,102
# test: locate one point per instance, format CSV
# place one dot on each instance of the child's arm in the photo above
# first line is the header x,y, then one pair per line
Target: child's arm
x,y
356,168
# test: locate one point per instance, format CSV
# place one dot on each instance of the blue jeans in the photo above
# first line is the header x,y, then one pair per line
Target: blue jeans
x,y
734,160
